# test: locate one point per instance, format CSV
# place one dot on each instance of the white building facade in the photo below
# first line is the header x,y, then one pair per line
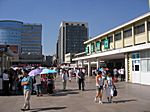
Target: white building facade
x,y
129,43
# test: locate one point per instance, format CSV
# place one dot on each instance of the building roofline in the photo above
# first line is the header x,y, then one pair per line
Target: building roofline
x,y
32,24
11,21
63,22
119,27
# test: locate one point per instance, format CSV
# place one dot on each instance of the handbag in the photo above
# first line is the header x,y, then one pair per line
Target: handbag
x,y
115,92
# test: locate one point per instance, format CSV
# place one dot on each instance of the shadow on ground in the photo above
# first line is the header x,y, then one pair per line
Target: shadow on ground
x,y
45,109
122,101
65,92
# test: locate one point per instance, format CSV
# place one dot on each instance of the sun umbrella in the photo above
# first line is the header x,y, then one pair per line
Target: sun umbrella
x,y
48,71
35,72
53,71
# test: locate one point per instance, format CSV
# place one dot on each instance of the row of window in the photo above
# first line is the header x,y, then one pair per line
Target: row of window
x,y
126,33
145,65
75,24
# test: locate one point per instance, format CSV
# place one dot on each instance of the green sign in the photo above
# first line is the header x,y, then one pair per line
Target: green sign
x,y
106,44
98,46
87,49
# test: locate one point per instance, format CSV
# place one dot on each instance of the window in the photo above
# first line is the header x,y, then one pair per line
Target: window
x,y
148,65
136,67
148,26
127,33
118,36
135,55
144,65
139,29
110,38
102,41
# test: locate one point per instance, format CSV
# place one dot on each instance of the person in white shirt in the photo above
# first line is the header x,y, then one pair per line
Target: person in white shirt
x,y
70,74
121,72
38,85
64,78
109,87
5,83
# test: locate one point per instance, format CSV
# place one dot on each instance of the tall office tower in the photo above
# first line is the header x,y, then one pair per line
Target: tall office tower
x,y
23,39
31,48
71,38
10,34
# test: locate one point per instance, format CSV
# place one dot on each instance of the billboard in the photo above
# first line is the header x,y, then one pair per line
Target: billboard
x,y
13,48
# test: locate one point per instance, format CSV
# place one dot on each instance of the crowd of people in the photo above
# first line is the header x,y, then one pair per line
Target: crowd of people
x,y
22,83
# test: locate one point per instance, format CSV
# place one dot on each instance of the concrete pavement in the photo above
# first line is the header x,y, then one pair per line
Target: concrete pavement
x,y
131,98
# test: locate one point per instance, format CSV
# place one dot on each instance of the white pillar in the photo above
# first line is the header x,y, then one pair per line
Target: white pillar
x,y
77,65
82,63
98,63
126,67
122,38
133,35
89,67
114,47
146,31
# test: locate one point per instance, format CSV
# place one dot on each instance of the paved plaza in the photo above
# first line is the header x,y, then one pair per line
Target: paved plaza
x,y
131,98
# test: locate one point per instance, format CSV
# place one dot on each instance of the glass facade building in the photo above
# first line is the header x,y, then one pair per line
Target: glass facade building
x,y
10,32
31,39
26,38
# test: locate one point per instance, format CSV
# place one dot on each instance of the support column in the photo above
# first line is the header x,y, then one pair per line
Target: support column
x,y
82,63
114,41
98,63
77,64
126,67
133,36
146,31
89,67
122,38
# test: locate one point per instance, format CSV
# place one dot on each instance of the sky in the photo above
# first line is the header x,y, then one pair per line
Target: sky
x,y
101,15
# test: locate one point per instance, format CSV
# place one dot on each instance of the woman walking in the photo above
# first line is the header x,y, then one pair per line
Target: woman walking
x,y
109,87
99,87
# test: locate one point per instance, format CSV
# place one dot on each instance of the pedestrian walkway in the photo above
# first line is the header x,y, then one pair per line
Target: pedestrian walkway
x,y
131,98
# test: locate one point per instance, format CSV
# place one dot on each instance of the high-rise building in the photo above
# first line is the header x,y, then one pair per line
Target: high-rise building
x,y
10,34
23,39
71,38
31,42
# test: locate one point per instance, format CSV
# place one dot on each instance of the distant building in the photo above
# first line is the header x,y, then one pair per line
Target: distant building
x,y
31,48
23,39
47,61
71,38
10,34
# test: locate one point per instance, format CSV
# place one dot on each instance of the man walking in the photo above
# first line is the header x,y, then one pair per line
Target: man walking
x,y
81,78
27,86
